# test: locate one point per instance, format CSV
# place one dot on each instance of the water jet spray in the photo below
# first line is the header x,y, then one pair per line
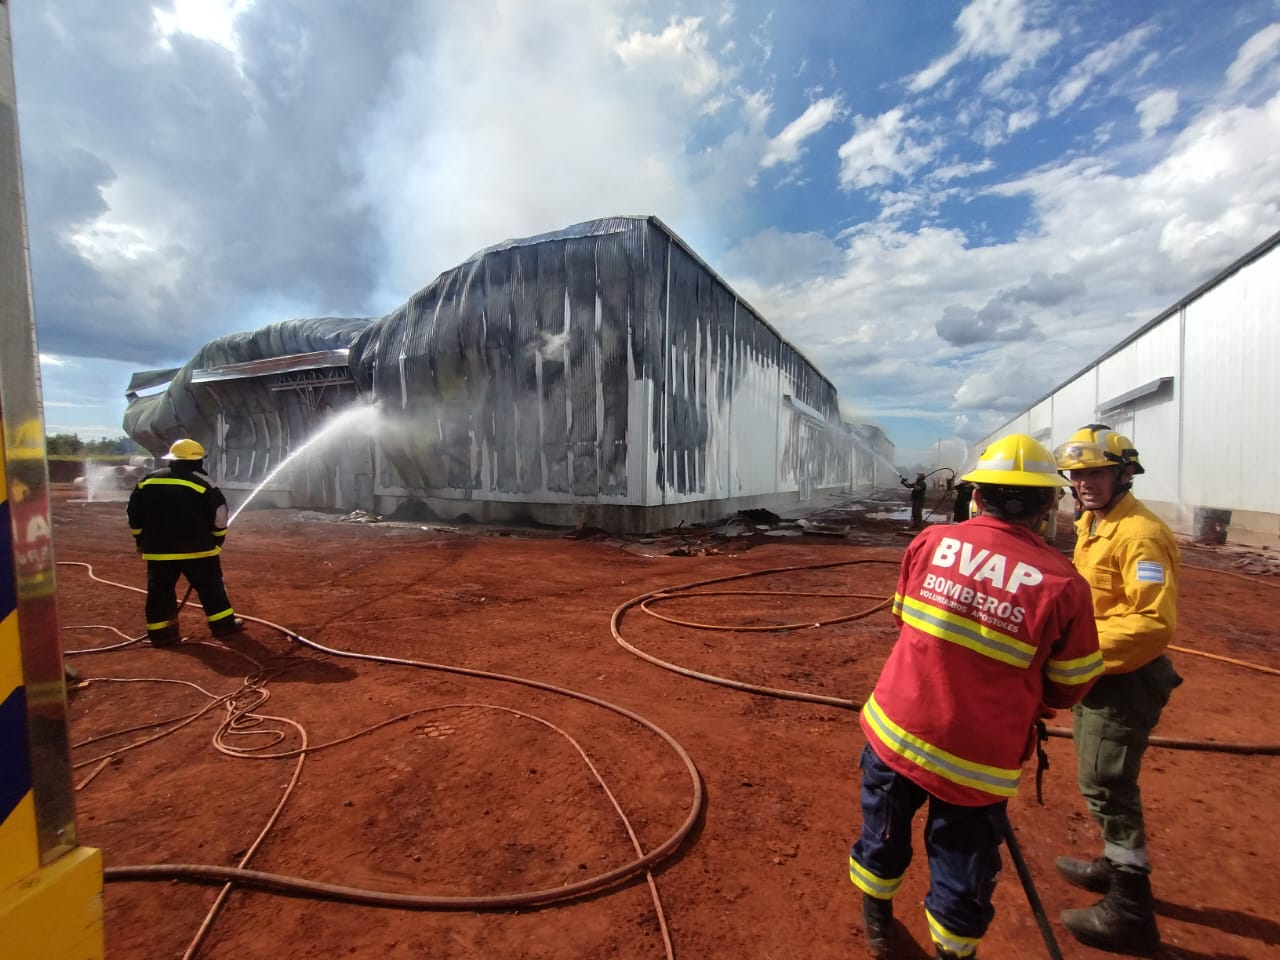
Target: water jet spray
x,y
359,417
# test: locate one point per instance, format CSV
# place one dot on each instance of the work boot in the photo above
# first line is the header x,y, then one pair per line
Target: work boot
x,y
227,628
877,924
165,637
1124,921
945,954
1093,875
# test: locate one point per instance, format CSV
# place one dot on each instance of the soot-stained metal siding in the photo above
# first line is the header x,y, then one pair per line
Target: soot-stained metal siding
x,y
248,426
602,363
526,363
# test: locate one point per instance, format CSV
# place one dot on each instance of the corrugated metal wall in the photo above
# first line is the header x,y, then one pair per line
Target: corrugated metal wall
x,y
537,371
247,427
1231,353
604,363
1203,425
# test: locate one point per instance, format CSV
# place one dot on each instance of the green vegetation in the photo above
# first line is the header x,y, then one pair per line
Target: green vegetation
x,y
69,446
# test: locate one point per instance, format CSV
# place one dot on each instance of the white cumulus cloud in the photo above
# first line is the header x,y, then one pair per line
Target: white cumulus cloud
x,y
787,146
1259,50
883,148
1156,110
990,29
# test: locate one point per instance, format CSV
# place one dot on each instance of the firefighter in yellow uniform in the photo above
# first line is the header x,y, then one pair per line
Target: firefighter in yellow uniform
x,y
1130,559
178,518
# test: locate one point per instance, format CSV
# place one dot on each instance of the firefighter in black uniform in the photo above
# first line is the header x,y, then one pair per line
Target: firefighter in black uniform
x,y
918,489
179,519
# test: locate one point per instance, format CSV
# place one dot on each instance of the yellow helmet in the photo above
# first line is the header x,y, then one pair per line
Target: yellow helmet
x,y
1097,445
1016,460
185,450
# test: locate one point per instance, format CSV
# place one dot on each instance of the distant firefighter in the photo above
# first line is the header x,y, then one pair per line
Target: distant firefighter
x,y
178,518
917,488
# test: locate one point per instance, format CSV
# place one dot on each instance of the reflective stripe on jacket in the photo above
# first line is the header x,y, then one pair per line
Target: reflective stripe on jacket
x,y
176,513
1130,559
995,624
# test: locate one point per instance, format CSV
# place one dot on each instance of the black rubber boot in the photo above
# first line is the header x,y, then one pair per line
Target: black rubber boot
x,y
1124,921
877,924
944,954
227,628
1094,875
165,637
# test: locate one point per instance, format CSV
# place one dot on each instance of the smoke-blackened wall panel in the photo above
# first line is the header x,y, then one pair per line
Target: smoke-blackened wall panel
x,y
720,374
660,358
552,396
464,411
619,272
686,434
582,348
498,414
527,415
449,345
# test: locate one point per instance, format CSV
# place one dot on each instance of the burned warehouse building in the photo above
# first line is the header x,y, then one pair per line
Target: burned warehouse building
x,y
601,374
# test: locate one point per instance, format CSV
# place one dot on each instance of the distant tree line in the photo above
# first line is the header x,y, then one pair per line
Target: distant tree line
x,y
70,445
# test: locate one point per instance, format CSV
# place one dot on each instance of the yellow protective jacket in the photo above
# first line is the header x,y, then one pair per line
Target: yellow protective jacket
x,y
1130,559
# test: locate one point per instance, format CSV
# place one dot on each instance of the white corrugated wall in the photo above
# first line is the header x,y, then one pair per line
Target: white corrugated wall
x,y
1206,424
1231,353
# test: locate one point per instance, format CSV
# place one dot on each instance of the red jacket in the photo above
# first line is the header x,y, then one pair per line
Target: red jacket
x,y
995,626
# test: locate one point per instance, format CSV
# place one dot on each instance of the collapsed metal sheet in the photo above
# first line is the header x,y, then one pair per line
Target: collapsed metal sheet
x,y
241,420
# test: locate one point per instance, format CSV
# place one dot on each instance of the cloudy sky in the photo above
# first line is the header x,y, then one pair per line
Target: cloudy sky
x,y
949,207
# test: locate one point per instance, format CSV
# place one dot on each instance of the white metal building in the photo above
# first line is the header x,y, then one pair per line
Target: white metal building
x,y
1195,390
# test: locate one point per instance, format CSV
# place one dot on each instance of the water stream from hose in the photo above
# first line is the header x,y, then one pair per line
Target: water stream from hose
x,y
863,447
362,418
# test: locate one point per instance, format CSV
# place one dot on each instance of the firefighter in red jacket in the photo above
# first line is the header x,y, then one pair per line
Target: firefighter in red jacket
x,y
997,629
179,519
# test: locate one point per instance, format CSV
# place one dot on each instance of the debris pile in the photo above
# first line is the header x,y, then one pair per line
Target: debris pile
x,y
360,516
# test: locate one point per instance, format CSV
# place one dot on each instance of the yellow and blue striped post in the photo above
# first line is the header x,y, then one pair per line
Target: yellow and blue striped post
x,y
19,852
50,886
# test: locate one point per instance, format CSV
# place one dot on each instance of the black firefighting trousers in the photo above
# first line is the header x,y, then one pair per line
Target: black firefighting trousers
x,y
205,575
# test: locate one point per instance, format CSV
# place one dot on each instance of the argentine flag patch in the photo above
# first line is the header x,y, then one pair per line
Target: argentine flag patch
x,y
1150,572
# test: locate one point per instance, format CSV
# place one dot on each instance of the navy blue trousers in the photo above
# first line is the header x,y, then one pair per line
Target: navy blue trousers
x,y
962,843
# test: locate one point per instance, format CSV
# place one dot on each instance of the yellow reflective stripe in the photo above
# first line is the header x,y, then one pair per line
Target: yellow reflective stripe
x,y
172,482
998,781
897,604
970,634
949,941
220,533
135,532
870,884
219,616
18,840
159,624
182,556
1079,670
1030,463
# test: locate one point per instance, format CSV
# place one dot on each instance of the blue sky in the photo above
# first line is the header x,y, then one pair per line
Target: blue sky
x,y
948,207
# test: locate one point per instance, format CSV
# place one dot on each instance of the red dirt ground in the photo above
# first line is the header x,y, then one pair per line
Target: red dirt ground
x,y
476,795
